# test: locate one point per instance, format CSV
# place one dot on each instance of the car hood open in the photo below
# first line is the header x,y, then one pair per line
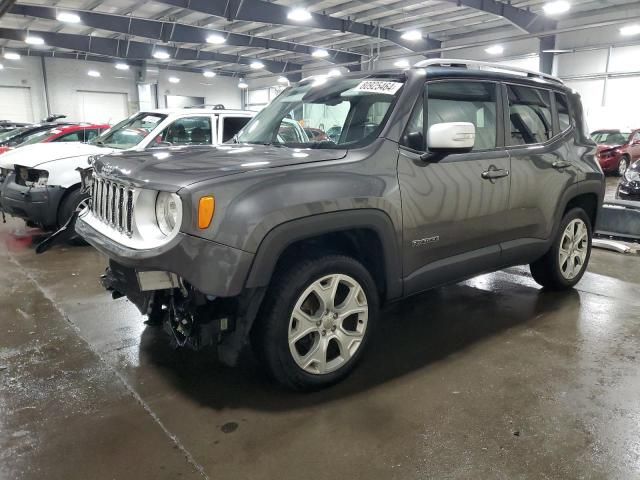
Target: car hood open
x,y
177,167
41,153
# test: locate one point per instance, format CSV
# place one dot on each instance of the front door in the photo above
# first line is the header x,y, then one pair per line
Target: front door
x,y
453,207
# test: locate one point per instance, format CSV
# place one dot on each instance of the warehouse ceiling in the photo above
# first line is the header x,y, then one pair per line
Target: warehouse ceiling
x,y
350,31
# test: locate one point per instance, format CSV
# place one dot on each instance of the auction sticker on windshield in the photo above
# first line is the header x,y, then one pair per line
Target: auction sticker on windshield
x,y
378,86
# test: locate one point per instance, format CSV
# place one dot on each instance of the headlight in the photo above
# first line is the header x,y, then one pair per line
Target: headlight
x,y
31,177
168,209
632,175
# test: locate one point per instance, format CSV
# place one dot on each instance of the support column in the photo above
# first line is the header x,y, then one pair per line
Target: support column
x,y
546,59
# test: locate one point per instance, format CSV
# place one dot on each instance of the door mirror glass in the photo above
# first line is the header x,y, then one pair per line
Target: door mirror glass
x,y
451,137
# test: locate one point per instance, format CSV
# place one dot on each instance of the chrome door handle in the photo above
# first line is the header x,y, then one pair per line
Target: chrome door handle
x,y
559,165
495,173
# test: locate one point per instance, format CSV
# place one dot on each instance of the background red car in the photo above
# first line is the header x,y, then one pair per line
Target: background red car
x,y
617,149
62,133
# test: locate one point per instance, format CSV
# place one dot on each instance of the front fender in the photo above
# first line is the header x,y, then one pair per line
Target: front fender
x,y
286,234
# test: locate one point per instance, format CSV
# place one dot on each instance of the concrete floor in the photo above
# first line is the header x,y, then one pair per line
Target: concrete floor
x,y
490,378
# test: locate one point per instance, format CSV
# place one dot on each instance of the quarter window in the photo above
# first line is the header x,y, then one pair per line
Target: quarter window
x,y
564,117
530,115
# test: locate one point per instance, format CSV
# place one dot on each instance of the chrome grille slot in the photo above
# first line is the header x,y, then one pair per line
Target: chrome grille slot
x,y
112,203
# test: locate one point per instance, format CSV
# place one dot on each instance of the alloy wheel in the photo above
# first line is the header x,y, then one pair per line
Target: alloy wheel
x,y
574,247
328,324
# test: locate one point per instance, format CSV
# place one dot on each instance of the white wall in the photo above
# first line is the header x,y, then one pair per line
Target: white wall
x,y
66,77
25,72
215,90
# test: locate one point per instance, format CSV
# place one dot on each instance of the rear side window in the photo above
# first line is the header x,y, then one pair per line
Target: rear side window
x,y
564,117
231,126
530,115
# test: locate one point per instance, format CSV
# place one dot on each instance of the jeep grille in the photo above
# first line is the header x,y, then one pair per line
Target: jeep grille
x,y
112,203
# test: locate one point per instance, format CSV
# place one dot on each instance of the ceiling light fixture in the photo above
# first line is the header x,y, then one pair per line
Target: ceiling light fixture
x,y
242,84
556,8
495,50
174,80
216,39
68,17
320,53
299,15
630,30
122,66
161,55
12,56
209,74
93,73
402,63
257,65
31,40
412,35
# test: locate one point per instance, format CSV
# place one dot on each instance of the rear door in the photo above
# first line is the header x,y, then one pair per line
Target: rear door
x,y
539,139
453,214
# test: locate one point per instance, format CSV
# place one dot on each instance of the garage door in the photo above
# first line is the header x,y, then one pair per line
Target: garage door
x,y
102,107
15,104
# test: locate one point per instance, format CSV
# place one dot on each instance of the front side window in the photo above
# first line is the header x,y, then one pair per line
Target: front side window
x,y
131,131
564,117
90,134
347,112
456,101
188,131
70,137
530,115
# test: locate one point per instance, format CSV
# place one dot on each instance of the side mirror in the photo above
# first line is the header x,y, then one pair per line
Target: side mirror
x,y
452,137
414,140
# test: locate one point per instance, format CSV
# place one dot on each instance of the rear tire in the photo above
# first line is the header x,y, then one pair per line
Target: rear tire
x,y
71,201
317,318
564,264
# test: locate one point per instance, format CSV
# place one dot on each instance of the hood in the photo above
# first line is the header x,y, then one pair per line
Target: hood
x,y
175,168
40,153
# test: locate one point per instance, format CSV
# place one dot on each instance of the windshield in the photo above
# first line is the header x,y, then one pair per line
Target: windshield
x,y
344,113
38,137
130,132
610,138
6,136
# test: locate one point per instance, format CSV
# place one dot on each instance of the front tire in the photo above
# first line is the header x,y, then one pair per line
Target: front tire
x,y
564,264
316,321
72,201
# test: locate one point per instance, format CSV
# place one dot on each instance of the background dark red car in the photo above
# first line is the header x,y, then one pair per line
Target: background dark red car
x,y
61,133
617,149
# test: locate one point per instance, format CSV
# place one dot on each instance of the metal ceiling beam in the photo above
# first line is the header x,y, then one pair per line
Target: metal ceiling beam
x,y
95,58
271,13
175,32
525,20
5,6
127,49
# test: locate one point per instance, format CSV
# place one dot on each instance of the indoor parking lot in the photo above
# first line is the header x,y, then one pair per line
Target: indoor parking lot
x,y
319,239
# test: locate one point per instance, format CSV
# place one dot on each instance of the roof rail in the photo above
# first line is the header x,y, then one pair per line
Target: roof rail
x,y
454,62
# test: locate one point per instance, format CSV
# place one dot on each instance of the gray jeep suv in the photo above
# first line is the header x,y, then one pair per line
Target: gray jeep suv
x,y
438,173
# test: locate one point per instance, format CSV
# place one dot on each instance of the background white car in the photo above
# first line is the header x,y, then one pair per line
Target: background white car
x,y
40,184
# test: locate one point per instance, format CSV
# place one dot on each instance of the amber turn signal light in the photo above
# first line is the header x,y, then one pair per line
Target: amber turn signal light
x,y
206,207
